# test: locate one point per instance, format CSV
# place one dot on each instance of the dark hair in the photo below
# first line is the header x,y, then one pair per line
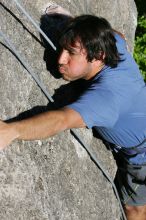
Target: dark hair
x,y
96,35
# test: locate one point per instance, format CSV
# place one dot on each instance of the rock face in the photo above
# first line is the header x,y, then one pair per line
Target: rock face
x,y
53,179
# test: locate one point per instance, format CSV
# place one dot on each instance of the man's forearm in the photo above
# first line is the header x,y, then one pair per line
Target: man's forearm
x,y
40,126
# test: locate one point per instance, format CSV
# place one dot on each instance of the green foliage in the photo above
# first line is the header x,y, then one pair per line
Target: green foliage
x,y
140,45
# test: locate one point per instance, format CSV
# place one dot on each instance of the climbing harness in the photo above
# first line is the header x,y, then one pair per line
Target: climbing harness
x,y
133,151
41,85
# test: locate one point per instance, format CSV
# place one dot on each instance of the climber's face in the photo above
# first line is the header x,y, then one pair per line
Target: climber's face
x,y
73,64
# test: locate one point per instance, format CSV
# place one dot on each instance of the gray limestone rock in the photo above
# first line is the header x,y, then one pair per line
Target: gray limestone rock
x,y
53,179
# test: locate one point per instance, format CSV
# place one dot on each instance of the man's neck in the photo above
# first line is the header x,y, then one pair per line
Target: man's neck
x,y
96,70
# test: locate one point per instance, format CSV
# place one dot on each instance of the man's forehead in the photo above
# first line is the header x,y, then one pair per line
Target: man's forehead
x,y
77,46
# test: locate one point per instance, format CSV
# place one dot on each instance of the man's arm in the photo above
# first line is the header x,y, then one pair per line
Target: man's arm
x,y
40,126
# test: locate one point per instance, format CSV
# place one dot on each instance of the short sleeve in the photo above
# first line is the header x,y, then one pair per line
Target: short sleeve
x,y
97,106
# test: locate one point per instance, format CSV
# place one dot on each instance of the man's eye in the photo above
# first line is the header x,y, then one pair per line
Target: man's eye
x,y
72,53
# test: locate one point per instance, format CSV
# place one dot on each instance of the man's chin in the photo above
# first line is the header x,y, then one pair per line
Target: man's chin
x,y
66,78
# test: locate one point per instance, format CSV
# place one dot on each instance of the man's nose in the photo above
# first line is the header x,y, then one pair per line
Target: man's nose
x,y
63,58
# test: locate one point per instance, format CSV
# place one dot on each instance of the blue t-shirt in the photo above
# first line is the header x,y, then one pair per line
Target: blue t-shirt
x,y
115,103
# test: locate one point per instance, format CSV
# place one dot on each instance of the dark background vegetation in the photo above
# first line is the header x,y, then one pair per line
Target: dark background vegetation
x,y
140,37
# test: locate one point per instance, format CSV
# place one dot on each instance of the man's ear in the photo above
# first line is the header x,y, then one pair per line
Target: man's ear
x,y
100,58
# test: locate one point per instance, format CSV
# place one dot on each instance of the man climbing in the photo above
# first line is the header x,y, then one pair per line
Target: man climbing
x,y
114,103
